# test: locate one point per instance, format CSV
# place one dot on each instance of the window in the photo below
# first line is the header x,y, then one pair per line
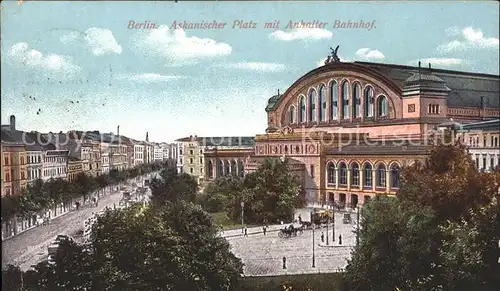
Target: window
x,y
227,168
355,175
492,163
322,103
201,160
180,151
342,174
191,170
201,151
241,169
291,114
484,163
7,177
312,170
477,161
302,112
345,100
6,163
368,102
331,173
220,168
233,167
367,175
334,101
395,171
383,106
381,176
191,152
312,105
356,96
191,160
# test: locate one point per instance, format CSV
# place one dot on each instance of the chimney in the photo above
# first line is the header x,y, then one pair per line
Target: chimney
x,y
118,130
12,122
419,64
147,136
430,66
278,92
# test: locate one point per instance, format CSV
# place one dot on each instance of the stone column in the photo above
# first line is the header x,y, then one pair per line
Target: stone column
x,y
387,180
336,177
361,178
348,179
374,182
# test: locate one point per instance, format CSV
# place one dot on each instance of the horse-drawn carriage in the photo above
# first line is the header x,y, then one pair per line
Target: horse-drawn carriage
x,y
321,216
290,231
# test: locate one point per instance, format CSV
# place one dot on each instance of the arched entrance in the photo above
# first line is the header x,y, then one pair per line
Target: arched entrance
x,y
342,200
354,200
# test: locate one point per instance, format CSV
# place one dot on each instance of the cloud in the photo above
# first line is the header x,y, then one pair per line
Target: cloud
x,y
20,56
301,34
367,54
470,39
256,66
100,41
149,78
177,48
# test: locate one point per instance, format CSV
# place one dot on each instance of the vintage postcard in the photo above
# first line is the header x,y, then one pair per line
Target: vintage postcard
x,y
249,145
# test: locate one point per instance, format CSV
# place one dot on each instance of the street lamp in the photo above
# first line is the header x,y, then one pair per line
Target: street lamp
x,y
357,225
333,220
327,222
313,258
242,213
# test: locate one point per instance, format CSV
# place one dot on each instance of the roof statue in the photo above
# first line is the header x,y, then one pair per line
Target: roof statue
x,y
334,57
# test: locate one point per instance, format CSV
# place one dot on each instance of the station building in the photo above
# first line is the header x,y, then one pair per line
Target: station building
x,y
348,128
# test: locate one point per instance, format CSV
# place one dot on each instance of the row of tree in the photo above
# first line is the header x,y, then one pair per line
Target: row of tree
x,y
171,244
270,193
441,233
41,195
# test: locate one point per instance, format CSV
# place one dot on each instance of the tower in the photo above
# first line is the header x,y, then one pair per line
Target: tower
x,y
118,130
147,137
12,122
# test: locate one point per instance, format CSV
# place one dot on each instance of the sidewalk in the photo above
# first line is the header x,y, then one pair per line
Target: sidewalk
x,y
250,230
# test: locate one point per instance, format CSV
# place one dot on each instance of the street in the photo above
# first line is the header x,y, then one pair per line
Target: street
x,y
263,255
30,247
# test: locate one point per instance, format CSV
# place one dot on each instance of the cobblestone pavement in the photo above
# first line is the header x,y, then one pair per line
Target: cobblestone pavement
x,y
263,255
30,247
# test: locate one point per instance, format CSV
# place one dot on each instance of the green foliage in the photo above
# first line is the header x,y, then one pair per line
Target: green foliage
x,y
42,195
172,187
440,233
271,193
303,282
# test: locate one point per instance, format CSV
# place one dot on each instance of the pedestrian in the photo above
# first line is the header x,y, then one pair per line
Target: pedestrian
x,y
340,239
300,219
322,237
264,230
246,234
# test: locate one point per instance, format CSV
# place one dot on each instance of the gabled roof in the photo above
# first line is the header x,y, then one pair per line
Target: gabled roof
x,y
487,125
34,141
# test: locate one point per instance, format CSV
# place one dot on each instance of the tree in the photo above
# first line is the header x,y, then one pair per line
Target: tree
x,y
272,193
172,186
216,195
12,278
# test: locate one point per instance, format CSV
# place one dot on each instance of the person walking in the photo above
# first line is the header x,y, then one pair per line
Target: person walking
x,y
340,239
246,231
264,230
322,237
300,219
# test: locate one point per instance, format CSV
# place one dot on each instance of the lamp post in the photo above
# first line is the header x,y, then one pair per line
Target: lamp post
x,y
333,220
357,225
313,258
242,213
327,222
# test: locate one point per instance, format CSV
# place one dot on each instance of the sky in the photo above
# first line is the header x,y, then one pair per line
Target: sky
x,y
81,65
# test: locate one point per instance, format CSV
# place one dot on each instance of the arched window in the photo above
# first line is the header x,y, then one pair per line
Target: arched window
x,y
356,96
210,171
220,168
334,101
331,173
241,169
381,176
286,149
233,167
345,100
322,103
302,111
291,114
367,173
355,174
342,174
312,105
368,102
227,168
383,106
395,176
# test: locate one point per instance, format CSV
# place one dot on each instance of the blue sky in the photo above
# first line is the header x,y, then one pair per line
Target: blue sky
x,y
88,71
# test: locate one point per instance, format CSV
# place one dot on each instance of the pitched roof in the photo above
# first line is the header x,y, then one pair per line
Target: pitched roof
x,y
34,141
216,141
493,124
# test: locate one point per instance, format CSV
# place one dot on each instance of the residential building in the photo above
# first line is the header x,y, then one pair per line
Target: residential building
x,y
130,150
347,128
105,157
77,147
14,172
180,156
483,142
55,164
158,154
74,168
172,151
139,151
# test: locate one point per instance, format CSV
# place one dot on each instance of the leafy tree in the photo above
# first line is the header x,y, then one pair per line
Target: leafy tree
x,y
216,195
272,193
12,278
172,186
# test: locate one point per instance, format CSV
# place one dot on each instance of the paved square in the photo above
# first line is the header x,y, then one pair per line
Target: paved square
x,y
263,255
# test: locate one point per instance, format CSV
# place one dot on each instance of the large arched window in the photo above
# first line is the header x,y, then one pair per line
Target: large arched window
x,y
356,96
383,106
334,101
354,174
227,168
342,174
302,109
381,176
322,103
233,167
345,100
210,171
291,114
312,105
367,173
395,170
368,102
241,169
220,168
331,173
